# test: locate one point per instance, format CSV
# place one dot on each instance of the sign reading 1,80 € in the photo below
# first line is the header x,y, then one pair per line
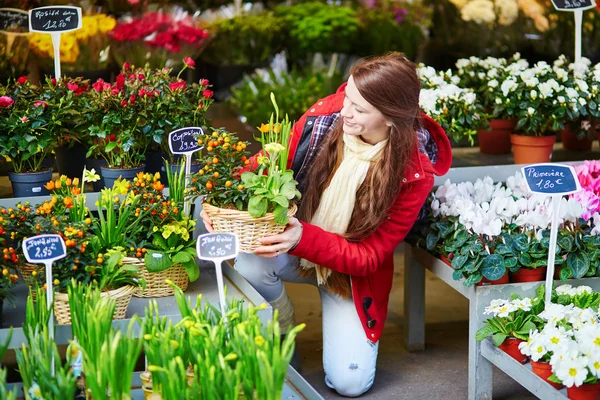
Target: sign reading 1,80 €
x,y
551,179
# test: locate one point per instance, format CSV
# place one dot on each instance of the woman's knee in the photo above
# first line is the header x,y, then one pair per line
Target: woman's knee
x,y
251,267
350,380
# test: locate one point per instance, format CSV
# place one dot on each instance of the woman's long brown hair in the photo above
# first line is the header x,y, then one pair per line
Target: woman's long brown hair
x,y
390,84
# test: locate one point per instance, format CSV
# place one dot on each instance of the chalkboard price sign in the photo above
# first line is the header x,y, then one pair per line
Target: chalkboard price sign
x,y
44,249
551,179
217,246
54,19
185,140
573,5
13,20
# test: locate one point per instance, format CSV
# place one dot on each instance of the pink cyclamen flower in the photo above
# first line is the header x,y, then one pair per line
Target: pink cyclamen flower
x,y
6,102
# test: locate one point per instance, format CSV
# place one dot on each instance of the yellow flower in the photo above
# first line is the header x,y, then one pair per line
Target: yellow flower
x,y
264,128
90,176
259,341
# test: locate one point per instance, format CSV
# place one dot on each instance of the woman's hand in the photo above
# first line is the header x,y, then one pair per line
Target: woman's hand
x,y
207,221
272,246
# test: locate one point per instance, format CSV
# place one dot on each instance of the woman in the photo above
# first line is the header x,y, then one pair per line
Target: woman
x,y
364,159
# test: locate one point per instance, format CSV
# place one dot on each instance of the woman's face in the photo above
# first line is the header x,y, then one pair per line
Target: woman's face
x,y
361,118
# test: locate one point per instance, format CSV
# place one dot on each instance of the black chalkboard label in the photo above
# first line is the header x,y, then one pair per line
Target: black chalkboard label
x,y
13,20
185,140
551,179
572,5
217,246
44,248
54,19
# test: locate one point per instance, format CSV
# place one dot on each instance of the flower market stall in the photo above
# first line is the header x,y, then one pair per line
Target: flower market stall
x,y
490,242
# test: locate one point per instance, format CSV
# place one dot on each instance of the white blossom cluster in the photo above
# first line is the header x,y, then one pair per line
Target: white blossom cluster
x,y
440,91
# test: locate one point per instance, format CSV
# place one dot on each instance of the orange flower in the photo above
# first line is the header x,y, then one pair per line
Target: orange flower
x,y
57,184
49,185
75,191
158,186
264,128
68,202
69,181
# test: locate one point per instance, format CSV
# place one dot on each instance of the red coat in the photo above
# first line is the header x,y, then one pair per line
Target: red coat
x,y
370,262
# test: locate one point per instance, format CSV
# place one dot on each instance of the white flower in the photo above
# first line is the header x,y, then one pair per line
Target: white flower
x,y
561,74
493,83
582,101
508,86
505,310
572,372
555,337
274,148
572,93
530,110
533,94
462,63
545,90
523,304
532,82
582,85
584,290
494,306
561,99
538,350
564,289
594,364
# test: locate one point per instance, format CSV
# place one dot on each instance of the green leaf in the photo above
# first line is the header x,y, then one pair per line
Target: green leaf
x,y
525,260
431,240
188,262
471,265
457,275
521,242
157,261
499,338
554,379
109,147
565,242
579,263
280,214
461,238
493,267
510,262
257,206
473,279
566,273
282,201
484,332
504,249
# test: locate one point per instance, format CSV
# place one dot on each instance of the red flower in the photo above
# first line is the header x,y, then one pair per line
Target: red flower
x,y
22,80
113,137
179,85
132,99
200,106
72,86
126,66
141,77
99,85
53,81
204,82
189,62
207,93
24,119
6,101
120,81
124,103
40,103
131,76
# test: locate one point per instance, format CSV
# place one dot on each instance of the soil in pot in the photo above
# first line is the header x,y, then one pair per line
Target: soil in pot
x,y
587,391
511,347
497,139
544,370
504,280
30,184
532,149
570,141
110,175
529,275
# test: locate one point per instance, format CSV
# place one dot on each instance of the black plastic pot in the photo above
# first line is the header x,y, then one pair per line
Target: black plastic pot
x,y
110,175
70,160
155,162
30,184
96,164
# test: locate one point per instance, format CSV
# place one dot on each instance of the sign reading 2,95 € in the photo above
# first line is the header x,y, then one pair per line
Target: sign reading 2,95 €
x,y
54,19
551,179
44,249
185,140
217,246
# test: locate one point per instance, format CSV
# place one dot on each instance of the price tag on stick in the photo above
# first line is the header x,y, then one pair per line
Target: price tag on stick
x,y
45,249
577,7
55,20
185,141
218,247
13,20
555,180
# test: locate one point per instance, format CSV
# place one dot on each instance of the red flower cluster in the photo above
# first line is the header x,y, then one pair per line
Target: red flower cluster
x,y
6,101
169,33
179,85
74,87
40,103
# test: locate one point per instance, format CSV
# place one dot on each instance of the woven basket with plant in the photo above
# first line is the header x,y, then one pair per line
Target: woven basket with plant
x,y
252,204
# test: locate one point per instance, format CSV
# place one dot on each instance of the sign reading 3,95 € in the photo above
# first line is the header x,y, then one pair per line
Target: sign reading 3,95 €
x,y
185,140
551,179
54,19
44,249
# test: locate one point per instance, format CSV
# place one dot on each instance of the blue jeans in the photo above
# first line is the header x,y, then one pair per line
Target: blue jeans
x,y
349,357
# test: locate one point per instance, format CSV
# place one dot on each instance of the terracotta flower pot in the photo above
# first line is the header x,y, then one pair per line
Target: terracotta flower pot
x,y
570,141
532,149
504,280
529,275
496,140
587,391
544,370
511,347
446,261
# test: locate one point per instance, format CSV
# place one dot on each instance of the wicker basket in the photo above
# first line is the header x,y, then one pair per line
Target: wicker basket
x,y
155,281
248,229
26,274
122,296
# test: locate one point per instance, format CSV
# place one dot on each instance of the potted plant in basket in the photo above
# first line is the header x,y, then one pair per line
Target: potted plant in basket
x,y
255,204
30,130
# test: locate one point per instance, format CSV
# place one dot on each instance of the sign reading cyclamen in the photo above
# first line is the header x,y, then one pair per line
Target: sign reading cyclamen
x,y
554,180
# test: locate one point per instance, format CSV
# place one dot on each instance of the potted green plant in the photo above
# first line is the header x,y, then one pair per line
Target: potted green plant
x,y
30,130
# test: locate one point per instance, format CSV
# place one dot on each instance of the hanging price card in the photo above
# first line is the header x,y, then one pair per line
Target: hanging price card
x,y
13,20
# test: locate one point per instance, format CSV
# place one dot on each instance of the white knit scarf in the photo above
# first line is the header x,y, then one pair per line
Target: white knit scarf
x,y
337,203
